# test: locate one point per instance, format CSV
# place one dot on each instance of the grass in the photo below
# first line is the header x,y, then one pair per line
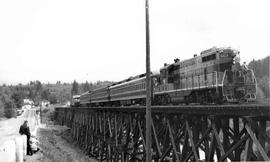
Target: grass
x,y
47,114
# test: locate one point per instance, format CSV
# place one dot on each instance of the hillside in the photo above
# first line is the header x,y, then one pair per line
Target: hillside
x,y
261,71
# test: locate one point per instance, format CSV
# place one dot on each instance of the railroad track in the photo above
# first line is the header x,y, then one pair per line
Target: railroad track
x,y
234,109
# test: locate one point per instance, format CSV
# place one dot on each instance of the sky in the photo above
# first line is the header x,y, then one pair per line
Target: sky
x,y
90,40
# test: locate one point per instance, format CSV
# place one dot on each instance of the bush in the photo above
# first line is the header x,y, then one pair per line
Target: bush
x,y
10,111
9,108
2,109
47,114
263,83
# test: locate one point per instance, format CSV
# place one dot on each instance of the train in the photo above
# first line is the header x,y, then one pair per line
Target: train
x,y
215,76
75,102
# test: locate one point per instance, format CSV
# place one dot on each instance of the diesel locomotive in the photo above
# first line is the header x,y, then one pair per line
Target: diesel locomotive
x,y
214,76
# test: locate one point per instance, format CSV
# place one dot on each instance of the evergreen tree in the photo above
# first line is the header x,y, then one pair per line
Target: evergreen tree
x,y
86,87
45,94
75,88
261,72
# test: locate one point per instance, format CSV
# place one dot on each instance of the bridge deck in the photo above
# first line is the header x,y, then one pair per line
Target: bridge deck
x,y
232,110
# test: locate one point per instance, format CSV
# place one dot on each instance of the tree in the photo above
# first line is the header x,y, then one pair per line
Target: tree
x,y
9,106
265,86
75,88
31,94
10,111
86,87
38,87
2,109
45,94
17,98
53,99
35,90
261,71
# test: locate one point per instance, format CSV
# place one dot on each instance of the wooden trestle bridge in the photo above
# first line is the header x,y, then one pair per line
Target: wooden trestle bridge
x,y
179,133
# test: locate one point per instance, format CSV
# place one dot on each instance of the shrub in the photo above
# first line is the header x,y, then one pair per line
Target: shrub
x,y
2,109
9,108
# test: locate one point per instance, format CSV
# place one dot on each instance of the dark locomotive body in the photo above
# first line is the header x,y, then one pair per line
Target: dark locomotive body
x,y
75,102
214,76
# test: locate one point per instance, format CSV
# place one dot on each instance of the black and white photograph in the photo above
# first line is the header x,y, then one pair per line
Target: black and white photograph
x,y
134,80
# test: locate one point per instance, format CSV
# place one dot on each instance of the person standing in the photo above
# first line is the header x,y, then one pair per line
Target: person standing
x,y
24,130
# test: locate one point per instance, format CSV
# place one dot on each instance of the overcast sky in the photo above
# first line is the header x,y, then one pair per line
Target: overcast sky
x,y
50,40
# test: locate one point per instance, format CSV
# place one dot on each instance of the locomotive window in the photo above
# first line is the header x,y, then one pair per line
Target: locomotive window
x,y
204,59
159,81
209,58
213,57
171,69
177,67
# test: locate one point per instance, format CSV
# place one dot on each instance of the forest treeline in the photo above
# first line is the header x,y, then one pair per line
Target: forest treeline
x,y
11,96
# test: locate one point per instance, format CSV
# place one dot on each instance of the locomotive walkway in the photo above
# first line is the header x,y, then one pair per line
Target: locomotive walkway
x,y
179,133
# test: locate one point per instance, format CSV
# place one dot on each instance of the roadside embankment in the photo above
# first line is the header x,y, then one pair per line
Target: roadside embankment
x,y
55,142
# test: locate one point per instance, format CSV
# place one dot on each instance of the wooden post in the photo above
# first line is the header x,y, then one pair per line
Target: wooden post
x,y
148,87
237,154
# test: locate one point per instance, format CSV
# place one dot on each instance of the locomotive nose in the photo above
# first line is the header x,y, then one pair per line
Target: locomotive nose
x,y
239,85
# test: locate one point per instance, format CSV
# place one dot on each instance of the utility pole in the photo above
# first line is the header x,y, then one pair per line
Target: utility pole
x,y
40,108
148,87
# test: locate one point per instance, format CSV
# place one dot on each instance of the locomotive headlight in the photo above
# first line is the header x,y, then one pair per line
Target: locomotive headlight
x,y
236,59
